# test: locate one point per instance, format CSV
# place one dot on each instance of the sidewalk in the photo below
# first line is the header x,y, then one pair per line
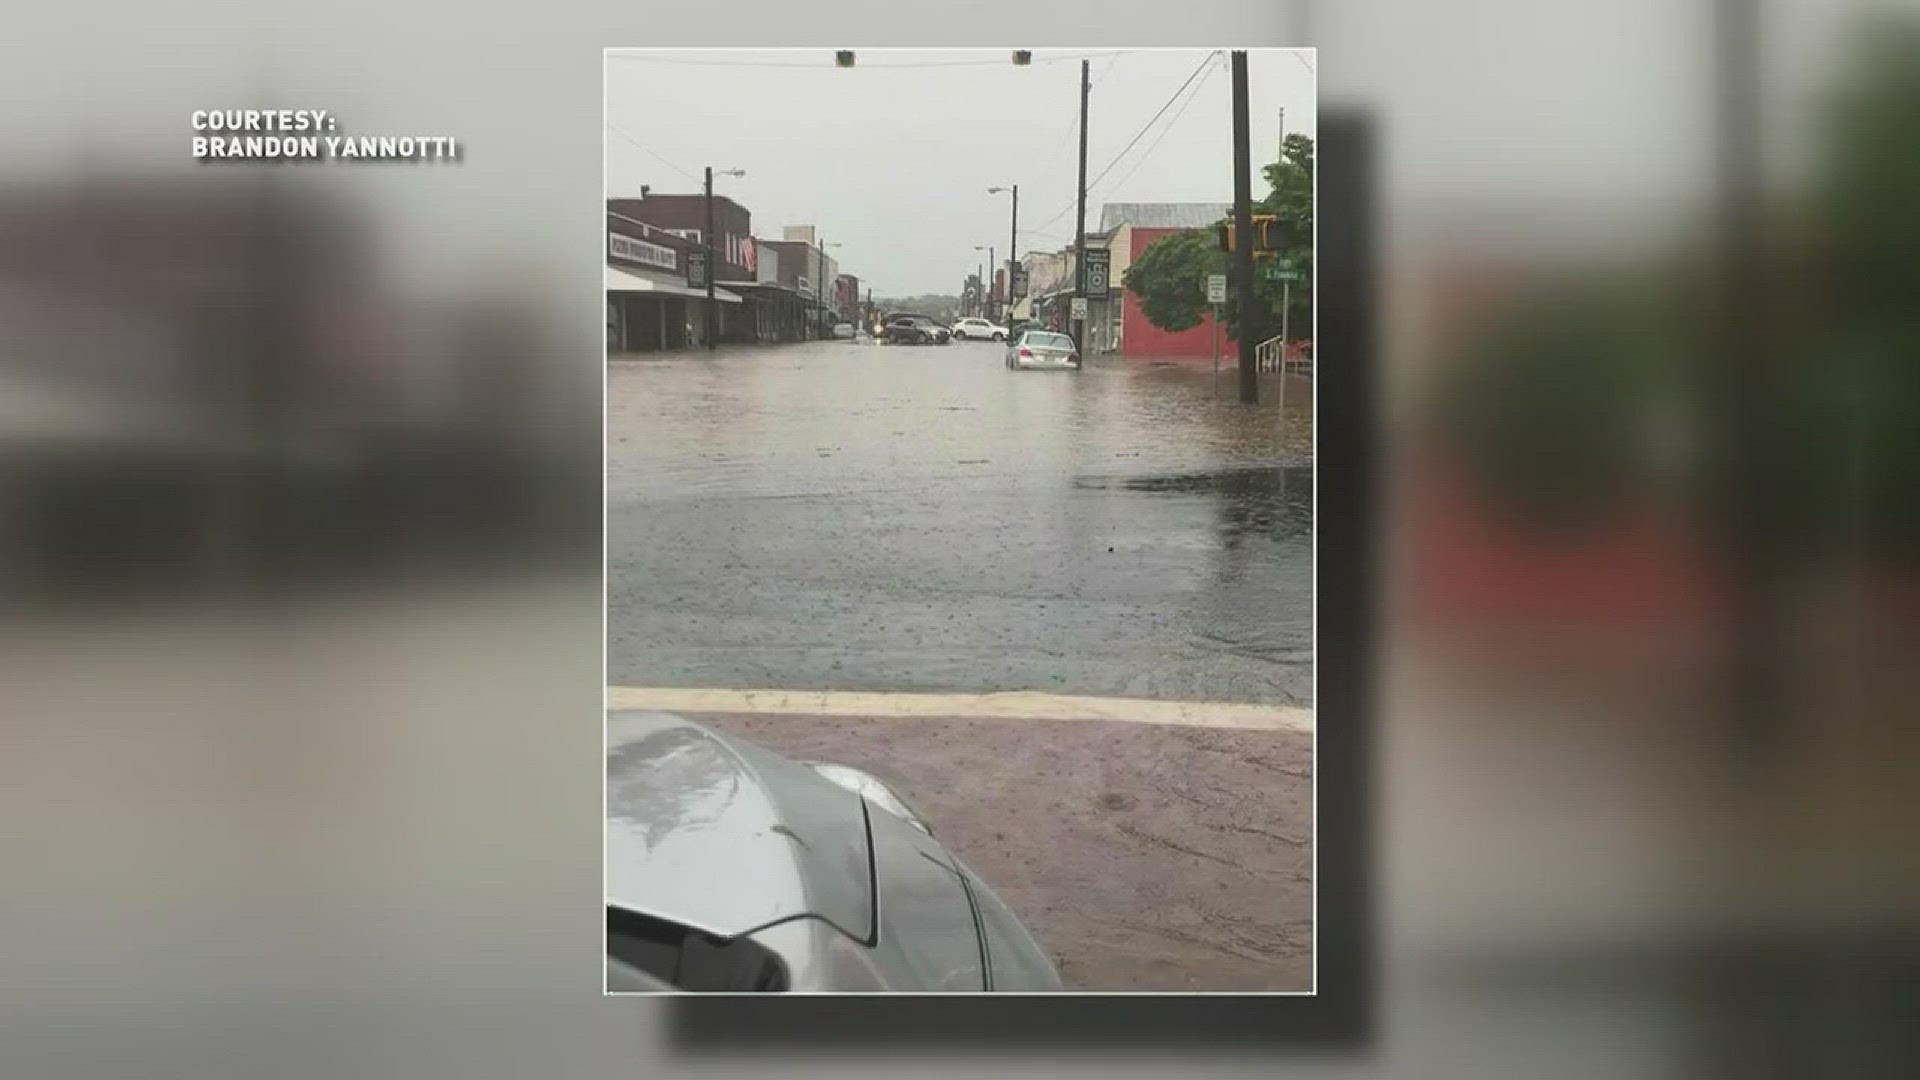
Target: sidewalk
x,y
1164,853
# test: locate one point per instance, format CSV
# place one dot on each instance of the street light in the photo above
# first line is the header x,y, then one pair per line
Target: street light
x,y
820,279
1013,239
712,315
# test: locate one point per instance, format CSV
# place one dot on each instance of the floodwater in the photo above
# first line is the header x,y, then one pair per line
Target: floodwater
x,y
847,516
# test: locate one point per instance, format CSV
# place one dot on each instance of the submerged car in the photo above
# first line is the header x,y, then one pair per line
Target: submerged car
x,y
978,328
1043,349
915,330
732,868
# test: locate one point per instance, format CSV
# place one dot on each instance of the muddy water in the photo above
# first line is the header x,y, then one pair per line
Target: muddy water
x,y
846,516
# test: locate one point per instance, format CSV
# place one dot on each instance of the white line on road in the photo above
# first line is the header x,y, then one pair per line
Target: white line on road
x,y
1019,705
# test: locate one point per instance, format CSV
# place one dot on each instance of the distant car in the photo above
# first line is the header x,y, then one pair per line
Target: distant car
x,y
731,868
1043,349
979,328
843,330
915,330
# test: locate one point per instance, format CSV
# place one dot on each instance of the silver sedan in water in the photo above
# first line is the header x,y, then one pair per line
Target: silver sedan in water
x,y
732,868
1042,349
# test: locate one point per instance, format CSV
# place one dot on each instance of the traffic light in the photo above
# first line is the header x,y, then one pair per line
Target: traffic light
x,y
1266,235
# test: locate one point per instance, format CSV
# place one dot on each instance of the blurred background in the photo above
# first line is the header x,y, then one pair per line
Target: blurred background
x,y
300,540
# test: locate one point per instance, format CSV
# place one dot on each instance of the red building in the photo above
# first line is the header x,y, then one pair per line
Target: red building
x,y
1133,228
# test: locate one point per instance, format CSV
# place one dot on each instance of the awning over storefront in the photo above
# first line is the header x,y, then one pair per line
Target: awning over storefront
x,y
619,280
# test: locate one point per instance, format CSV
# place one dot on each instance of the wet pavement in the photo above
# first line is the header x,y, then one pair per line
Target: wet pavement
x,y
1142,857
847,516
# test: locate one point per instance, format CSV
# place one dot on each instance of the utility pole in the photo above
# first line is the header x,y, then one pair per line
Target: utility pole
x,y
986,283
1080,224
820,279
1280,151
1013,247
711,321
1243,233
1013,240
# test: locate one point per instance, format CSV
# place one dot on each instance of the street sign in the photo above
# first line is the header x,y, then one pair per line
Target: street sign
x,y
1019,282
697,268
1097,270
1216,288
1282,272
1080,307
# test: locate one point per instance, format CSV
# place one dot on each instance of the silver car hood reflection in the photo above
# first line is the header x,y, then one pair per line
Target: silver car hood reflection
x,y
722,836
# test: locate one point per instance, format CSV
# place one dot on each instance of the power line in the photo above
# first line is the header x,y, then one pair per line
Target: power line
x,y
827,61
1208,59
662,158
1171,124
1066,141
1204,61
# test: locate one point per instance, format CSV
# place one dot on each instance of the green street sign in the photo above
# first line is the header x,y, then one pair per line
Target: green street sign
x,y
1282,273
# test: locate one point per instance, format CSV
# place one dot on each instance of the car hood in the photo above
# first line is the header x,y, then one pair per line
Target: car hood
x,y
725,837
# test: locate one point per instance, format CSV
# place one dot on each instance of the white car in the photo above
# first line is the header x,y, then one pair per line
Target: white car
x,y
1040,349
979,328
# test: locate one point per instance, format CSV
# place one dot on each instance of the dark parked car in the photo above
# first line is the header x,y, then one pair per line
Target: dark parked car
x,y
731,868
915,330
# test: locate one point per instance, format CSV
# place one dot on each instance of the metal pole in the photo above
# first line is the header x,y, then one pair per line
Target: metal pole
x,y
1243,233
820,278
1216,350
1286,298
1080,224
710,322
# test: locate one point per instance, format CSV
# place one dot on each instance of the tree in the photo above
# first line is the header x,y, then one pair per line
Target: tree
x,y
1170,277
939,306
1290,198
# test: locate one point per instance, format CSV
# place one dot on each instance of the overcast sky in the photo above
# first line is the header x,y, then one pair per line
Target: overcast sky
x,y
893,157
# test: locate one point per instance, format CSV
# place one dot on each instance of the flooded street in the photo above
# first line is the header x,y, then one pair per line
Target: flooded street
x,y
843,516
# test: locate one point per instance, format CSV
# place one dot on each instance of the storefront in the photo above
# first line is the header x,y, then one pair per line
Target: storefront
x,y
649,313
771,313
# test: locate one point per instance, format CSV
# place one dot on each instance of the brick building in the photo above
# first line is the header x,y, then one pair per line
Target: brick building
x,y
807,272
846,297
650,303
685,216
